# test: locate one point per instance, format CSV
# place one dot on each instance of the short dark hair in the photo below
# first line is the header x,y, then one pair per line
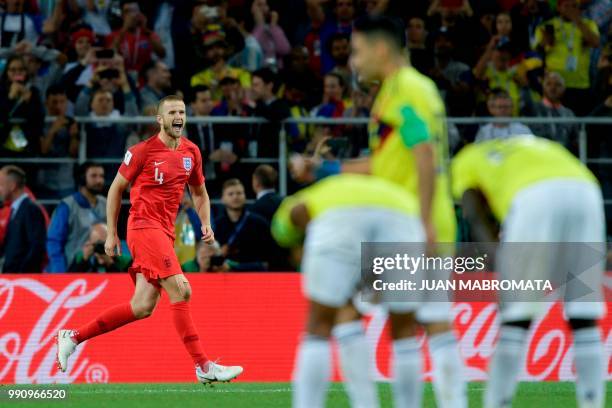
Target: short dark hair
x,y
55,89
231,183
267,76
169,98
335,37
16,174
82,170
391,29
147,68
195,90
498,93
266,175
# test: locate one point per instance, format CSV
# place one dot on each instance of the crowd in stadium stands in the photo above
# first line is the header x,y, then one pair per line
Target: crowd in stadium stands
x,y
276,59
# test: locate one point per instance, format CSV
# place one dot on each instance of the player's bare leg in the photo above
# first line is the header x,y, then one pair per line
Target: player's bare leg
x,y
407,360
142,304
447,365
355,357
179,292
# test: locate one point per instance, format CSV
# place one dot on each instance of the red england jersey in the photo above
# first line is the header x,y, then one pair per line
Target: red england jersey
x,y
158,176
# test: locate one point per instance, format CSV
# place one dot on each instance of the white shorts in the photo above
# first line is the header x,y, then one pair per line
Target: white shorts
x,y
331,264
565,212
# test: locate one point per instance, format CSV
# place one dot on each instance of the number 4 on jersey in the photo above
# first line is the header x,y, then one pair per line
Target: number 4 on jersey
x,y
159,176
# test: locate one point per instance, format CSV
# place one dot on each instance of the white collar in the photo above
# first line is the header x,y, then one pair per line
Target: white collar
x,y
264,192
17,203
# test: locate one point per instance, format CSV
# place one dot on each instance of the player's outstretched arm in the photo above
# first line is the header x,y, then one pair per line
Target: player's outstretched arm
x,y
113,205
201,203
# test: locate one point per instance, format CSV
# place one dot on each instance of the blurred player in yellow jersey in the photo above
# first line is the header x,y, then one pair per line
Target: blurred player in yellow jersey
x,y
408,146
551,210
332,218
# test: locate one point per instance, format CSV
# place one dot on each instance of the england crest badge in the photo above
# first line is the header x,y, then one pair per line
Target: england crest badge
x,y
187,163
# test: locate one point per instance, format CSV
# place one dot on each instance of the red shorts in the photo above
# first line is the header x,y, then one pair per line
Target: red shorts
x,y
153,255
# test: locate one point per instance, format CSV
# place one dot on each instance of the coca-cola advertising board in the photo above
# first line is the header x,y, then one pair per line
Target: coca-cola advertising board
x,y
250,319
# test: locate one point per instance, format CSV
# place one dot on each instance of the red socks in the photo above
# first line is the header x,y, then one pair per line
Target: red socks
x,y
181,315
110,319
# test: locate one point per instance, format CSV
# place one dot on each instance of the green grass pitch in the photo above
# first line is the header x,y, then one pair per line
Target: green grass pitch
x,y
268,395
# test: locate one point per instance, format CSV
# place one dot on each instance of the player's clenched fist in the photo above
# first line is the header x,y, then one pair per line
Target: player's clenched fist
x,y
208,235
112,242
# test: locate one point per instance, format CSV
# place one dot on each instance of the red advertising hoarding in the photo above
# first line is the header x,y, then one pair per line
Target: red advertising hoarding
x,y
250,319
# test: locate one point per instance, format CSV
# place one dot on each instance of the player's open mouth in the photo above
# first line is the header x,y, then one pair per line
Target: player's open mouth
x,y
177,126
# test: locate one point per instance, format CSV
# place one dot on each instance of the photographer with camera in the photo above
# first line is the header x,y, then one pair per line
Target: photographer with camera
x,y
109,75
91,257
208,258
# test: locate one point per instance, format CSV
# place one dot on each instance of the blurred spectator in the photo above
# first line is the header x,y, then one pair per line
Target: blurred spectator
x,y
191,57
551,107
600,11
500,106
59,17
566,42
158,82
201,104
20,101
112,78
43,65
295,95
504,31
324,26
145,130
105,139
187,230
244,237
78,72
494,70
363,98
603,77
421,56
455,18
92,258
95,14
216,54
340,51
16,25
165,18
134,40
298,72
269,34
526,17
263,91
24,244
251,57
60,139
599,144
451,76
208,258
232,141
334,92
264,182
74,216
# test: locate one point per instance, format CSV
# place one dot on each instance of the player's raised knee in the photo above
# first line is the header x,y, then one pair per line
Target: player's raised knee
x,y
142,310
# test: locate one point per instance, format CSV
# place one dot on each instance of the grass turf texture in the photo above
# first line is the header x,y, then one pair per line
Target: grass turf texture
x,y
269,395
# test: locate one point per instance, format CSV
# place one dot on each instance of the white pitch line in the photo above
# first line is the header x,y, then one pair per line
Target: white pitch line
x,y
202,391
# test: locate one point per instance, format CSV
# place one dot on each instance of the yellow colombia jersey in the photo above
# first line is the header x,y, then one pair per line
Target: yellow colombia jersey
x,y
408,110
501,168
340,191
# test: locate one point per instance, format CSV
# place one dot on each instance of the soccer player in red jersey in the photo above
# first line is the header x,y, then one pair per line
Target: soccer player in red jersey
x,y
158,169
